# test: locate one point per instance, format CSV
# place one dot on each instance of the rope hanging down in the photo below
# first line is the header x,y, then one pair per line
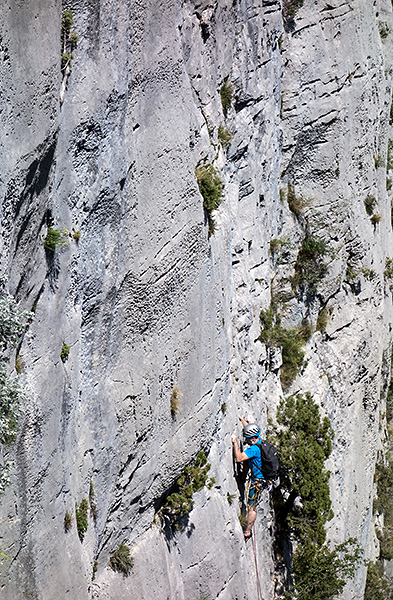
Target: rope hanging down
x,y
259,593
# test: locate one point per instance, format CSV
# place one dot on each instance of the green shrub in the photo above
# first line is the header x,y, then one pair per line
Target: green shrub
x,y
67,21
290,7
175,401
274,245
321,573
19,364
121,560
226,93
231,498
384,30
376,218
65,350
224,136
13,323
95,569
69,39
310,267
388,272
291,342
384,504
210,187
378,586
56,239
322,320
81,518
92,501
370,203
67,521
74,38
296,203
178,504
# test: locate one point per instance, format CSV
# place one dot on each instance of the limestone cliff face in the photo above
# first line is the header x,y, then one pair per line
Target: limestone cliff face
x,y
147,301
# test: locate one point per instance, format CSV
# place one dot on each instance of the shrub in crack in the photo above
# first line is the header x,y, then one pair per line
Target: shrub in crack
x,y
13,323
121,560
178,504
210,187
310,267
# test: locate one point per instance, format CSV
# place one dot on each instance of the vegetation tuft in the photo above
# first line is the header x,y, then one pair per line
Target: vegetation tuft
x,y
121,560
13,323
290,8
291,342
310,267
388,272
81,517
226,93
93,501
67,521
175,401
296,203
210,187
179,504
65,351
224,137
56,239
69,40
376,218
322,320
369,204
378,585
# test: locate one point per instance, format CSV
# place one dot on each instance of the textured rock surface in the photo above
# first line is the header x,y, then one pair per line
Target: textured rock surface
x,y
147,301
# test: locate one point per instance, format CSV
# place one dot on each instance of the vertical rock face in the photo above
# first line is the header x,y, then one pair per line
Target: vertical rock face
x,y
148,302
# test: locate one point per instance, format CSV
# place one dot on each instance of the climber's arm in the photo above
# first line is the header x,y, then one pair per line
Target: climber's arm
x,y
239,456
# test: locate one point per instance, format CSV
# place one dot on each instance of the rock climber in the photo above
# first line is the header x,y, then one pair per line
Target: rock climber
x,y
251,433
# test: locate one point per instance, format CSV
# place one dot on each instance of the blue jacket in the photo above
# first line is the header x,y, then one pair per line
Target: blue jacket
x,y
254,455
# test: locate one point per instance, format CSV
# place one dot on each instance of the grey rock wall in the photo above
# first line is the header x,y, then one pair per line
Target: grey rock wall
x,y
147,301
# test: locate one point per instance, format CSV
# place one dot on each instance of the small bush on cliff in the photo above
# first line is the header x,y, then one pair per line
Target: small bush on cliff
x,y
56,239
369,204
376,218
296,204
178,504
224,136
65,350
210,187
322,573
121,560
93,501
310,267
175,401
81,518
291,342
67,521
226,93
69,40
13,323
290,7
378,586
383,504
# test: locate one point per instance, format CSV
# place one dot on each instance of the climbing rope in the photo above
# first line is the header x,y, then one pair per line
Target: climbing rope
x,y
254,545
